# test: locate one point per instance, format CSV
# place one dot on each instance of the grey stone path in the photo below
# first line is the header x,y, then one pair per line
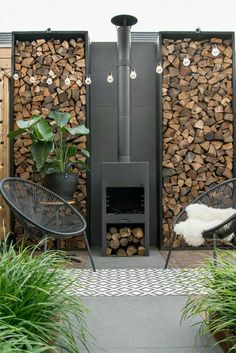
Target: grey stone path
x,y
141,324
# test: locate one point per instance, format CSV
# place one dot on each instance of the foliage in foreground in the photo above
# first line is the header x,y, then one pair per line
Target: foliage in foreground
x,y
218,307
38,311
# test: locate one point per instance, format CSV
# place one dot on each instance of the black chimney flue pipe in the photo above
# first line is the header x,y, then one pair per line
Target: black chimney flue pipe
x,y
124,23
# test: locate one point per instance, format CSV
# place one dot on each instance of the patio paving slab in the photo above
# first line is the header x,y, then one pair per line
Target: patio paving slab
x,y
143,325
155,260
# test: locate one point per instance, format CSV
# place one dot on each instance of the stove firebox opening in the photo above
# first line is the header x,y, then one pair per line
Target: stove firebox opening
x,y
125,200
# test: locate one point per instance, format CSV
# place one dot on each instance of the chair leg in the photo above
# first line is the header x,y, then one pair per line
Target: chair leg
x,y
214,249
170,250
89,252
45,244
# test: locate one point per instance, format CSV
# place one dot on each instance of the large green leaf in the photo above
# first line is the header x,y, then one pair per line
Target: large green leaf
x,y
61,118
45,132
85,152
71,151
79,130
15,133
81,164
40,151
25,124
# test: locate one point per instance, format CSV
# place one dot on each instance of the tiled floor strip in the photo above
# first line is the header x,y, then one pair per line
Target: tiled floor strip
x,y
138,282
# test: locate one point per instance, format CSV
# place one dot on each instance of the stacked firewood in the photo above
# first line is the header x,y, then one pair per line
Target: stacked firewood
x,y
125,241
35,63
197,122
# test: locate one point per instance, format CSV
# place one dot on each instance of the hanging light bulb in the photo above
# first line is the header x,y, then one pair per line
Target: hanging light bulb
x,y
110,78
32,79
49,80
133,74
186,61
67,81
16,76
88,80
215,51
159,68
79,82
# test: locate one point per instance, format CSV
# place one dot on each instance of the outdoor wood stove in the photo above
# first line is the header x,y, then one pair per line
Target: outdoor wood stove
x,y
125,184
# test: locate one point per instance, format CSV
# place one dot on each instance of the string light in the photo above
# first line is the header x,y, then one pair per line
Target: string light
x,y
32,79
88,80
110,78
49,80
215,51
133,74
79,82
67,81
186,61
16,76
159,68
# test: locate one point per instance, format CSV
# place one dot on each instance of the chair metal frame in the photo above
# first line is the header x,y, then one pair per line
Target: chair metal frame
x,y
25,220
220,231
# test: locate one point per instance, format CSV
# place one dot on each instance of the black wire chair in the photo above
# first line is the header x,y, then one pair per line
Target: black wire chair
x,y
42,212
220,196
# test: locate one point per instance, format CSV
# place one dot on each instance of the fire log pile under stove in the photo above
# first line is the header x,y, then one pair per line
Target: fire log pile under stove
x,y
125,184
125,241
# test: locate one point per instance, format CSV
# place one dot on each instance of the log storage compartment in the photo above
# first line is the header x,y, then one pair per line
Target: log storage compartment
x,y
125,208
197,119
39,57
125,240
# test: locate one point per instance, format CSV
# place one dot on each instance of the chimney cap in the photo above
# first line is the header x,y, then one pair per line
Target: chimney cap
x,y
124,20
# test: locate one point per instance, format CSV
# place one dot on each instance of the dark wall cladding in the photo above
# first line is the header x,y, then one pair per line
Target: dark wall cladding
x,y
104,121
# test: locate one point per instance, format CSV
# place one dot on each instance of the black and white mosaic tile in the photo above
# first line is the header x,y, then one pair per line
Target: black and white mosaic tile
x,y
138,282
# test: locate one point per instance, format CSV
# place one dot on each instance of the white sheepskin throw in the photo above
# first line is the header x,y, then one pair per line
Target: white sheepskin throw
x,y
201,218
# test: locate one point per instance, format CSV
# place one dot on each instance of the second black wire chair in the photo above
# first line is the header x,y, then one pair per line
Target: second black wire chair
x,y
222,195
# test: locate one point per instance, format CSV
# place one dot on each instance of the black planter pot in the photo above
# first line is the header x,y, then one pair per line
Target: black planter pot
x,y
63,184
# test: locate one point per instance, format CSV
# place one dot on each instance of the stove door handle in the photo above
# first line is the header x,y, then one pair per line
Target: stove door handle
x,y
125,220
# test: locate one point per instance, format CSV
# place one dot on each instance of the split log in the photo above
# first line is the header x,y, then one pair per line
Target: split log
x,y
131,250
108,251
123,241
114,244
125,232
121,252
137,233
141,250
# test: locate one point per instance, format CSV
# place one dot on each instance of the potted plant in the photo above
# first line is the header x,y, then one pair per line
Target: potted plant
x,y
39,311
53,150
217,309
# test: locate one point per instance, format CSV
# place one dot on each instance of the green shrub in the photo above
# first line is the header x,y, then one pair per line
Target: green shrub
x,y
38,310
217,308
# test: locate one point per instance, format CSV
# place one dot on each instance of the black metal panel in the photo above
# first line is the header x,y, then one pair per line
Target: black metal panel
x,y
195,35
104,121
159,145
